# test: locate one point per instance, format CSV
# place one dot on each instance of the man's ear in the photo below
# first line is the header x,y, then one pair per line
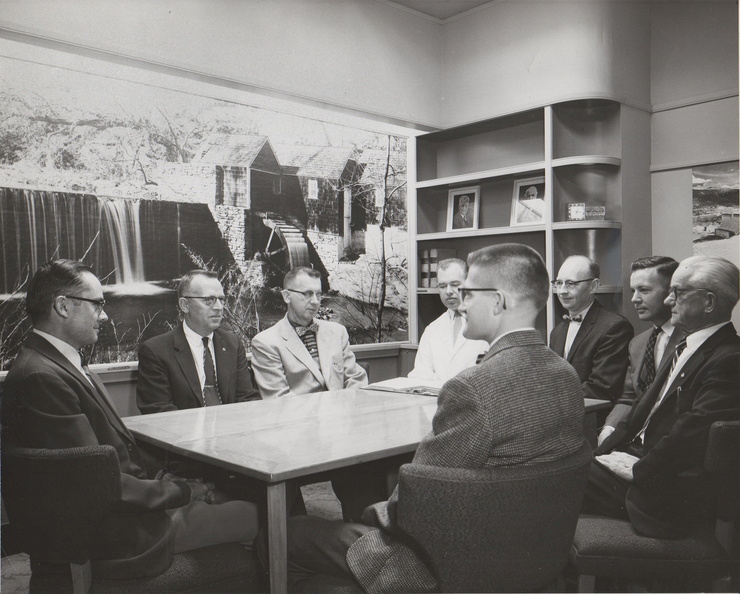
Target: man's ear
x,y
711,302
184,305
286,296
595,284
60,306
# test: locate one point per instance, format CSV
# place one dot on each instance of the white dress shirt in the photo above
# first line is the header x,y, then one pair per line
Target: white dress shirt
x,y
195,341
573,328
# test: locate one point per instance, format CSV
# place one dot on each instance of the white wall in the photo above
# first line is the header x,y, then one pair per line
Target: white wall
x,y
355,53
694,86
520,54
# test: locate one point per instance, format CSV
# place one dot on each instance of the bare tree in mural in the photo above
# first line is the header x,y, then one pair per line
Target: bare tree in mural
x,y
378,193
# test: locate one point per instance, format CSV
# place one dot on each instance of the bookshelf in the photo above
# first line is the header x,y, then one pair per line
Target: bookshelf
x,y
591,152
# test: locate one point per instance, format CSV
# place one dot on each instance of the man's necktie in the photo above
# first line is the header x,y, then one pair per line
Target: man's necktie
x,y
679,349
575,318
307,334
211,396
647,373
479,358
456,326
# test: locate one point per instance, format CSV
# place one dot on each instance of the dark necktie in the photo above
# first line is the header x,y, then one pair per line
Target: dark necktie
x,y
307,334
647,374
211,396
479,358
679,349
575,318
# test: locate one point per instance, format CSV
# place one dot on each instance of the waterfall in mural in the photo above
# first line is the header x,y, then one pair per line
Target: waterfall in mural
x,y
127,242
121,220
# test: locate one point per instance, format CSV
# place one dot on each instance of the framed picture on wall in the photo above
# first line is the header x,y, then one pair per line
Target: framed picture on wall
x,y
528,201
463,205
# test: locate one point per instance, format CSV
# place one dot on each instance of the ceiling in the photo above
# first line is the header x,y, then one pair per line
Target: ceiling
x,y
441,9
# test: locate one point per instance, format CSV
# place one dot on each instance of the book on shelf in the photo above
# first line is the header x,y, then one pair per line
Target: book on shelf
x,y
436,255
424,268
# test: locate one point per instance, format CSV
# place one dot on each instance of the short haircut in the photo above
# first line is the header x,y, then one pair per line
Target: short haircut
x,y
594,270
294,272
717,275
517,268
464,199
184,285
663,265
445,264
55,278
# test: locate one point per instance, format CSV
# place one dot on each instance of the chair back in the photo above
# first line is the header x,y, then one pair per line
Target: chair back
x,y
56,514
722,461
503,529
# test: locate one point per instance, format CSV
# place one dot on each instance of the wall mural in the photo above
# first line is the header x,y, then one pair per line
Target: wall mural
x,y
716,210
144,176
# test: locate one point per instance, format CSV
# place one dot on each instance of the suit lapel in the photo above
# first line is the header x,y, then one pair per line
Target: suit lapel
x,y
184,358
557,338
295,345
224,371
95,389
695,362
586,326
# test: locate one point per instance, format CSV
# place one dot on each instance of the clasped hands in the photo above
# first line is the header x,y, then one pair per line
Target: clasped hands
x,y
199,490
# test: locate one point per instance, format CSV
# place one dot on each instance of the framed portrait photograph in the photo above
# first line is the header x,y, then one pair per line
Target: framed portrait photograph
x,y
463,205
528,201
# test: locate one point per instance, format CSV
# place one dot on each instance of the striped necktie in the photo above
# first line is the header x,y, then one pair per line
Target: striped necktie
x,y
211,397
647,373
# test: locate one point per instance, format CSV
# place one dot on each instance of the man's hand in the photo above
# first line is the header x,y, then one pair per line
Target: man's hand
x,y
606,431
620,463
200,491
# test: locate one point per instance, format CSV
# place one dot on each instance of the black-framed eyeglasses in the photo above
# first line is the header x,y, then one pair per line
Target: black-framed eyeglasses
x,y
209,301
569,284
464,292
98,303
674,292
308,295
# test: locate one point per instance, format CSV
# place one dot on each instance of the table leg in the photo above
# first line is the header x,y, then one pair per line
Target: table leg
x,y
590,429
277,537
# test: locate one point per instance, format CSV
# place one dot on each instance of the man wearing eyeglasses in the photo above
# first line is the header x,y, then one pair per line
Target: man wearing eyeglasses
x,y
198,363
594,340
521,405
301,354
443,349
651,469
50,400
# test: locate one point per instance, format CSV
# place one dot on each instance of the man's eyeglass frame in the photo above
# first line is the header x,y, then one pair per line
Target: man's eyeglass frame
x,y
308,295
674,293
569,284
208,301
98,303
465,292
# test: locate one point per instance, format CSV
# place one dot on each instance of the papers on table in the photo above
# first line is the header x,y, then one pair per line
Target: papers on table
x,y
405,385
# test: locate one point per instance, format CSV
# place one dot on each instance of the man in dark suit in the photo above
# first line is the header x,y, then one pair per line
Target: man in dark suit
x,y
592,339
652,349
173,368
51,401
650,470
521,405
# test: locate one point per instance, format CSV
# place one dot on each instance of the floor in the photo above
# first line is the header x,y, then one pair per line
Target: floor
x,y
319,498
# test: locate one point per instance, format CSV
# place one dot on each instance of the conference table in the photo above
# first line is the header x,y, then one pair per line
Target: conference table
x,y
281,439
